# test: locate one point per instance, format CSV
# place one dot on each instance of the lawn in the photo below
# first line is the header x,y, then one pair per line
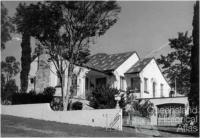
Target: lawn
x,y
17,126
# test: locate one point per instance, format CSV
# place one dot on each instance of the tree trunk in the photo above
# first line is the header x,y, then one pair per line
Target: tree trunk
x,y
25,61
69,82
62,83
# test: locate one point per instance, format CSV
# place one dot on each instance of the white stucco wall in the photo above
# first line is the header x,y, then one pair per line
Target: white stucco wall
x,y
95,118
54,78
153,73
123,68
81,71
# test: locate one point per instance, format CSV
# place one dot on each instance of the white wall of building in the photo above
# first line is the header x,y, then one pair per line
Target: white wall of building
x,y
153,74
123,68
81,71
151,71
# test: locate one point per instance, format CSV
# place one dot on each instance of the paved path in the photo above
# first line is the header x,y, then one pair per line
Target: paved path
x,y
154,132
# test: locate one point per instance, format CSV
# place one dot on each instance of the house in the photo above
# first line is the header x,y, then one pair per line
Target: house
x,y
121,71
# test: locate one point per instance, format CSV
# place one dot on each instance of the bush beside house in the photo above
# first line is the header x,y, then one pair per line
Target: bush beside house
x,y
7,90
77,106
104,98
32,97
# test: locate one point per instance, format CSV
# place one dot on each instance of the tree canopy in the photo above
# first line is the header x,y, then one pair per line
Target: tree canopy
x,y
26,20
9,68
176,65
6,26
66,29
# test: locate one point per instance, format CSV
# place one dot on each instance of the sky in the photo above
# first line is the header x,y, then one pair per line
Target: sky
x,y
143,26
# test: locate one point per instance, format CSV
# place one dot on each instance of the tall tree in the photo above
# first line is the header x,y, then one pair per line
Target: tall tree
x,y
25,18
6,26
69,27
176,65
194,92
9,68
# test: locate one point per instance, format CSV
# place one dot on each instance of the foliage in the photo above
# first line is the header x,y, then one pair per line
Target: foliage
x,y
25,61
24,19
33,97
145,109
49,91
104,98
57,104
9,89
193,96
141,107
3,82
194,93
9,68
66,29
191,121
176,65
77,106
6,26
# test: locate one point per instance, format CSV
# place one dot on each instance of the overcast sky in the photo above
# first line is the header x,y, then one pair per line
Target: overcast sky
x,y
142,27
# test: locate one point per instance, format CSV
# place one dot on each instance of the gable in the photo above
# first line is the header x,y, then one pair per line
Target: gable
x,y
139,66
153,68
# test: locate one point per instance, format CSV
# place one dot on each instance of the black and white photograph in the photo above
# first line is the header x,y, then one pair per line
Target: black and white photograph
x,y
99,68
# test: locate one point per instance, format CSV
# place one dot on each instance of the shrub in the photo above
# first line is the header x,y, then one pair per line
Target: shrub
x,y
77,106
9,89
104,98
49,91
56,104
142,108
33,97
191,122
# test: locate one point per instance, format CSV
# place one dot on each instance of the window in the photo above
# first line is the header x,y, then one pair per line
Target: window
x,y
32,80
146,85
135,84
161,89
132,83
74,85
122,81
86,83
154,89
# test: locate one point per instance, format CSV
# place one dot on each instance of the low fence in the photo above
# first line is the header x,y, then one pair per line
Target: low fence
x,y
97,118
136,121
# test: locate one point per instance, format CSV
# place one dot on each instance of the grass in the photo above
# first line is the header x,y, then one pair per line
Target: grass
x,y
18,126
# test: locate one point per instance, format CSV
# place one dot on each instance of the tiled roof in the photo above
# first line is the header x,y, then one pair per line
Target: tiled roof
x,y
139,66
105,62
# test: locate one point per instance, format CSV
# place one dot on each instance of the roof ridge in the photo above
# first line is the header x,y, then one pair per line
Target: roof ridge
x,y
115,53
147,58
123,52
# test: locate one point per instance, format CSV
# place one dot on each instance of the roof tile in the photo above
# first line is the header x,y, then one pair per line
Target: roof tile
x,y
139,66
105,62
